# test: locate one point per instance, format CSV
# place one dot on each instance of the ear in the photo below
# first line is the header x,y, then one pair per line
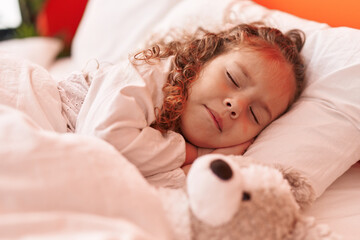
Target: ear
x,y
306,228
300,186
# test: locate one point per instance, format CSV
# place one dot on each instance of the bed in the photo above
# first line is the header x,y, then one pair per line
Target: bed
x,y
319,136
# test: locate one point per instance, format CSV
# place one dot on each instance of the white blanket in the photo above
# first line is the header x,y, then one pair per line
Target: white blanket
x,y
53,185
30,88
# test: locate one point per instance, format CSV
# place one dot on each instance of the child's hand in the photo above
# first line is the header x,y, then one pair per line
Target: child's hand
x,y
186,168
234,150
191,153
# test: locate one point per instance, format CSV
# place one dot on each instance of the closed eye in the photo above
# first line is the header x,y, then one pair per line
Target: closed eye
x,y
231,79
253,114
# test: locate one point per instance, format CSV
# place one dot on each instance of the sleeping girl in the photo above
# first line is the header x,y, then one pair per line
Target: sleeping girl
x,y
206,92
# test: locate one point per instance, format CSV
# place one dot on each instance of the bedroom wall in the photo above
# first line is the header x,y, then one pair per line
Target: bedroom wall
x,y
60,18
333,12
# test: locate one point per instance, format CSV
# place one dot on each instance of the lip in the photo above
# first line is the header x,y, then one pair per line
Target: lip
x,y
216,117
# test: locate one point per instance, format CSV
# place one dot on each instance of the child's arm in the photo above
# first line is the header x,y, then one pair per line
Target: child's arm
x,y
191,153
235,150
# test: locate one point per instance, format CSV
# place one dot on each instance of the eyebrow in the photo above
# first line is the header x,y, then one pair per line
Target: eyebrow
x,y
248,78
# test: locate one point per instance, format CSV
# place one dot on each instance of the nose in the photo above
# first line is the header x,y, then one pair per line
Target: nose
x,y
234,107
221,169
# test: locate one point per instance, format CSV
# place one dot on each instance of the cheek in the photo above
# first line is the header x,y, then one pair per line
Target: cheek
x,y
244,127
248,130
280,103
210,80
241,132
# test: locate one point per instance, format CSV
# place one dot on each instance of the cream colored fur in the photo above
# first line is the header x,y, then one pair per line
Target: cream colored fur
x,y
269,206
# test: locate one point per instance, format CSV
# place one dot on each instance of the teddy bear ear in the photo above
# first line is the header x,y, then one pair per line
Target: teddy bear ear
x,y
300,186
307,228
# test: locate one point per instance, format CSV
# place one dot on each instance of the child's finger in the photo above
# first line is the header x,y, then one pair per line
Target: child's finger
x,y
186,168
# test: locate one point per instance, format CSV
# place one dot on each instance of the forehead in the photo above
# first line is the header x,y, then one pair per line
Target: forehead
x,y
258,62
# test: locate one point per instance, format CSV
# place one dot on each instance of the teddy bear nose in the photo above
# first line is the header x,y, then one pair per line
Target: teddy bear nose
x,y
221,169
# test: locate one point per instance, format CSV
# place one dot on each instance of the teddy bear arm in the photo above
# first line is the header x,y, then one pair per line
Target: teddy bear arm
x,y
307,229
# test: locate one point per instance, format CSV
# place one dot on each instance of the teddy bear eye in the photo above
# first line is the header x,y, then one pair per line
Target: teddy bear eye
x,y
246,196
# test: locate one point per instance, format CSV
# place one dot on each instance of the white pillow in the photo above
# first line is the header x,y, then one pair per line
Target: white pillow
x,y
320,134
40,50
110,29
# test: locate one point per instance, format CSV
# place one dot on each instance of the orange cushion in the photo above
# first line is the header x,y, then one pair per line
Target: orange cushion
x,y
333,12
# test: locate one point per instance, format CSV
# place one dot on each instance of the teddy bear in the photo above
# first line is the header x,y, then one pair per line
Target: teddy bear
x,y
231,197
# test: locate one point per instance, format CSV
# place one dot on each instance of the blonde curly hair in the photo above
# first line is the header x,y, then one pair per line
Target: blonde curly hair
x,y
191,52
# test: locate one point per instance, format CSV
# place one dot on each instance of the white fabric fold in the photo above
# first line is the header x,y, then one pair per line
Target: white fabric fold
x,y
119,108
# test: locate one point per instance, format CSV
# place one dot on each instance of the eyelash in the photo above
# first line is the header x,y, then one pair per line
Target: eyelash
x,y
252,112
231,79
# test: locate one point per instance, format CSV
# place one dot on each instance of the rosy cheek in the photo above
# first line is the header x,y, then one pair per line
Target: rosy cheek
x,y
223,87
248,130
244,128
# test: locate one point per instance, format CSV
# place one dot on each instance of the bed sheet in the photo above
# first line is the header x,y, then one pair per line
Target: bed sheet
x,y
70,186
339,206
